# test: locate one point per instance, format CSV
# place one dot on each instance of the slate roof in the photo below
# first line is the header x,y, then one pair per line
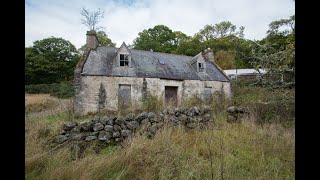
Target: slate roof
x,y
103,62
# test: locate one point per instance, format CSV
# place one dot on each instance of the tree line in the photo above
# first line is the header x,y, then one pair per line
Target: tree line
x,y
52,60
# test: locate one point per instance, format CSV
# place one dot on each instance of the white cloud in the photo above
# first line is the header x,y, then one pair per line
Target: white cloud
x,y
125,19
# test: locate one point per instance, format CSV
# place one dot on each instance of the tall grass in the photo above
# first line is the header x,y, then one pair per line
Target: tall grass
x,y
243,150
236,151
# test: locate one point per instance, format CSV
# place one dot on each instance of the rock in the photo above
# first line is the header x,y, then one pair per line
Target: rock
x,y
177,112
69,126
183,118
111,120
85,126
93,133
129,117
108,128
201,126
184,111
132,125
76,129
171,112
144,121
118,139
98,127
116,134
194,119
61,138
231,109
191,125
125,133
151,131
63,132
157,126
123,126
119,120
206,117
116,127
104,120
151,115
90,138
193,111
77,136
232,118
104,136
165,111
240,110
141,116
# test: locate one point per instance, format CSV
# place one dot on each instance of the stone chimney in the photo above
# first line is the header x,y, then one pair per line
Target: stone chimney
x,y
208,54
92,39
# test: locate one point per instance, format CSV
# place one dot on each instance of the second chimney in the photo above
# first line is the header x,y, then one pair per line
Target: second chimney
x,y
208,55
92,39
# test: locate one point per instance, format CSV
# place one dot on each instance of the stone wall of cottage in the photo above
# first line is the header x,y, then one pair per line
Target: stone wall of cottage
x,y
87,97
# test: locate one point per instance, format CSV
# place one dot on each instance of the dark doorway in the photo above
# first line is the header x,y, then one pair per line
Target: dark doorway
x,y
124,96
171,96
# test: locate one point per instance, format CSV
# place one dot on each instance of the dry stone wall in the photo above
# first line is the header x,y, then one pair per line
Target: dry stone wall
x,y
116,129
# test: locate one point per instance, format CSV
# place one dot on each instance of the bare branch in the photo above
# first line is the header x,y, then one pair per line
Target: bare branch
x,y
91,19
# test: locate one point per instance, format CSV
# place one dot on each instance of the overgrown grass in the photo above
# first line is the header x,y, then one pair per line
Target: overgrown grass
x,y
243,150
38,102
269,106
236,151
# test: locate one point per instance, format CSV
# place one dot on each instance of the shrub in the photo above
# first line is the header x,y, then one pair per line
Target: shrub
x,y
152,103
60,90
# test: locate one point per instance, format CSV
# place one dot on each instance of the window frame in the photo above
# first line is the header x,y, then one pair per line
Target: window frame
x,y
202,68
125,62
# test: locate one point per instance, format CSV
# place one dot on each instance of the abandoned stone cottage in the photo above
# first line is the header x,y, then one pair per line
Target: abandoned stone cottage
x,y
126,76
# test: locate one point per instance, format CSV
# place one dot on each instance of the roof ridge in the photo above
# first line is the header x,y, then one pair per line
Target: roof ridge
x,y
148,51
161,52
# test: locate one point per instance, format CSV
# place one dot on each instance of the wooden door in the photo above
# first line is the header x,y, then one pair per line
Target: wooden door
x,y
171,96
124,96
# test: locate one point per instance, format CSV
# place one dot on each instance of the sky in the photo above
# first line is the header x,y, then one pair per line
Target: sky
x,y
124,19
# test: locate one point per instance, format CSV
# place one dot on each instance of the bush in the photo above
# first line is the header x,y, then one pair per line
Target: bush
x,y
60,90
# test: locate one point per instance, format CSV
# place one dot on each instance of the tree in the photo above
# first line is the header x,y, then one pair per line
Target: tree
x,y
50,60
225,59
104,40
287,24
180,37
276,52
91,19
220,30
190,47
159,38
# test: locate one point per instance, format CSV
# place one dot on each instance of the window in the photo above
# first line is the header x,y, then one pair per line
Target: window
x,y
124,60
201,67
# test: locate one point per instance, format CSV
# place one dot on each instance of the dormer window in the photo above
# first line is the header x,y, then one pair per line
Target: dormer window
x,y
124,59
200,67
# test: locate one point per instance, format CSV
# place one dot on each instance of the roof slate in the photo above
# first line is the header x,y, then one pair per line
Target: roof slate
x,y
103,62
